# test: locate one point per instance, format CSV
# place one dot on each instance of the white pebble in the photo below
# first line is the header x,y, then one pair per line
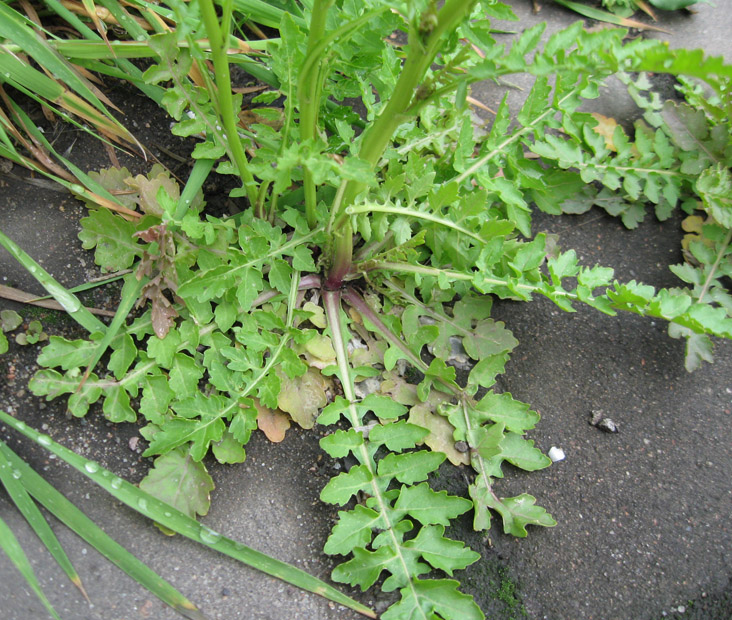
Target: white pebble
x,y
556,454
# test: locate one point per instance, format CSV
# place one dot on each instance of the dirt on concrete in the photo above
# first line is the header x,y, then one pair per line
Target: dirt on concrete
x,y
644,514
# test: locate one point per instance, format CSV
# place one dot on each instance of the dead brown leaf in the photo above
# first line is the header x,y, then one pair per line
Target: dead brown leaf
x,y
272,422
606,128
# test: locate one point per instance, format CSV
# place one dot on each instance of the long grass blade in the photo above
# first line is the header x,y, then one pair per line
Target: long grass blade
x,y
13,28
128,70
73,20
181,523
263,13
68,300
15,128
77,521
91,190
123,18
10,545
91,11
74,188
606,16
93,283
39,86
8,151
13,483
79,50
13,294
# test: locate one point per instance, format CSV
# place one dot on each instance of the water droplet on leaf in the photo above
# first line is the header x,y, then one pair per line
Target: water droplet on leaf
x,y
70,303
208,536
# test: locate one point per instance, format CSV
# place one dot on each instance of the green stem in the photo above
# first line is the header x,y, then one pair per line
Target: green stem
x,y
310,82
343,250
261,196
199,174
225,100
422,52
713,270
335,209
309,89
309,93
423,47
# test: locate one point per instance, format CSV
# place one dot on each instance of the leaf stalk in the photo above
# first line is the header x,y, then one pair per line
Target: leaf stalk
x,y
225,100
310,87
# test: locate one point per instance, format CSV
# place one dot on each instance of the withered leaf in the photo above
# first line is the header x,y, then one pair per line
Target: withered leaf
x,y
272,422
303,397
440,438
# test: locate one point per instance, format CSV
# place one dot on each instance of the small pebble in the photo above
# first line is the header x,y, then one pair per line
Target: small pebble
x,y
556,454
599,420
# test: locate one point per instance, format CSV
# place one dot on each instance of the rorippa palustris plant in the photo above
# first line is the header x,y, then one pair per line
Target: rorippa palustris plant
x,y
364,259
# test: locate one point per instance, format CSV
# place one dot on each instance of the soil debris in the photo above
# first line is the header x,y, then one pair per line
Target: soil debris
x,y
599,420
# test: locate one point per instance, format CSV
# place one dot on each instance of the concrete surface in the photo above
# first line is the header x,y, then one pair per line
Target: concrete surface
x,y
645,515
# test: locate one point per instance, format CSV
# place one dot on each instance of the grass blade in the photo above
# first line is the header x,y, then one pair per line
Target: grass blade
x,y
86,101
127,69
263,13
12,480
43,162
91,189
8,292
125,20
93,283
175,520
10,545
45,90
91,10
605,16
13,28
68,300
73,20
77,521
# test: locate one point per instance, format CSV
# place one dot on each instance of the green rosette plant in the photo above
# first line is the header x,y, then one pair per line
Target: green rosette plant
x,y
377,221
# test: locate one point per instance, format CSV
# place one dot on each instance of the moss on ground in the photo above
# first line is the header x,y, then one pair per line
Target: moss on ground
x,y
507,592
